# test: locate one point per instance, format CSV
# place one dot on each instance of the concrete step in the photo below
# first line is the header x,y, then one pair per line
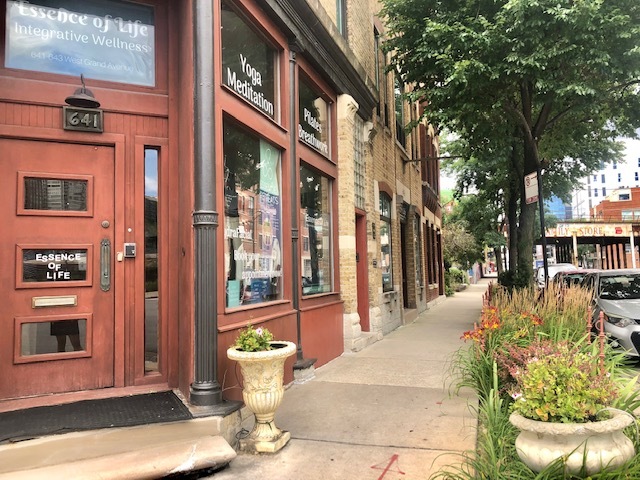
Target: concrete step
x,y
142,452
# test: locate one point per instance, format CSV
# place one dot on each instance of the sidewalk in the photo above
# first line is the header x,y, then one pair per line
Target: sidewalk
x,y
384,413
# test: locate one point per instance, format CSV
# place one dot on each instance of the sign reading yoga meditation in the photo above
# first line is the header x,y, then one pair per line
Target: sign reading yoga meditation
x,y
104,40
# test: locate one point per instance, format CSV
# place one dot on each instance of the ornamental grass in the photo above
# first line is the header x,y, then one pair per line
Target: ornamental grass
x,y
514,323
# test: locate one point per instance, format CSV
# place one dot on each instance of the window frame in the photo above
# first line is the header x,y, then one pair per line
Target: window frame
x,y
327,238
385,206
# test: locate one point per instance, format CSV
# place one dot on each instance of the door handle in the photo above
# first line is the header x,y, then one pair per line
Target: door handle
x,y
105,265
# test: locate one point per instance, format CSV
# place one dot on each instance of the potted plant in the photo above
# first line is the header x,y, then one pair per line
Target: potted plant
x,y
261,361
563,406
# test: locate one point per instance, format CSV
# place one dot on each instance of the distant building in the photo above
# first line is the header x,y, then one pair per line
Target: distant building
x,y
559,209
623,204
597,186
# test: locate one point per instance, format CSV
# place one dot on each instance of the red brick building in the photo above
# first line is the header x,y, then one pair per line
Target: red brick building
x,y
621,205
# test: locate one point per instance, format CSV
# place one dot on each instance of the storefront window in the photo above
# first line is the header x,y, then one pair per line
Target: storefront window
x,y
253,228
313,112
385,242
248,63
315,224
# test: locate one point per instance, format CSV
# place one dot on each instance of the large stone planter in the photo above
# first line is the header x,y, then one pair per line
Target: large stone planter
x,y
592,445
262,393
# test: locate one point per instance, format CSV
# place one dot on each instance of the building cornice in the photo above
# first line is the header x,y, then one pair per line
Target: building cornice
x,y
304,28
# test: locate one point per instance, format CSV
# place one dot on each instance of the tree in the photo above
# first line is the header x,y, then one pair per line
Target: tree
x,y
527,84
460,248
483,216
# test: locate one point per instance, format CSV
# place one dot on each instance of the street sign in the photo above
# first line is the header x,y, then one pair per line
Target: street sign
x,y
531,187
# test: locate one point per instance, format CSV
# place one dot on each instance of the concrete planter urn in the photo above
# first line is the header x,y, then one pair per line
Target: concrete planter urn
x,y
262,392
592,445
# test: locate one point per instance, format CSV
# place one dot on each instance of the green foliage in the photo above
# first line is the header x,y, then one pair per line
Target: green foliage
x,y
459,246
505,339
514,279
458,275
559,382
494,73
453,277
253,340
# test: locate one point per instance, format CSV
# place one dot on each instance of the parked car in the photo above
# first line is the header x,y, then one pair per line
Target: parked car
x,y
571,278
617,294
553,270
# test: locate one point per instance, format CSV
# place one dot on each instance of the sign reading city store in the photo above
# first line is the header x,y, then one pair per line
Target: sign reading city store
x,y
104,40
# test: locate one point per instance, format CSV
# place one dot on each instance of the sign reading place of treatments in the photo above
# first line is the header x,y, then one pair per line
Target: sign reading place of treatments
x,y
102,39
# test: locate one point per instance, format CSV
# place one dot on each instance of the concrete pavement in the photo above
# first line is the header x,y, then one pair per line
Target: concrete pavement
x,y
384,413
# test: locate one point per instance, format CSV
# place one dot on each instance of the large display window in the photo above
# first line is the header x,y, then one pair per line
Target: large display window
x,y
315,224
248,63
252,218
313,114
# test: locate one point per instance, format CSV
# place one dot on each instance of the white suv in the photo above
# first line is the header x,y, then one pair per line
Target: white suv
x,y
553,269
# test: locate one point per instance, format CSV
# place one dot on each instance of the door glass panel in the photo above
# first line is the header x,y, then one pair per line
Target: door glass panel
x,y
151,309
55,194
58,336
63,265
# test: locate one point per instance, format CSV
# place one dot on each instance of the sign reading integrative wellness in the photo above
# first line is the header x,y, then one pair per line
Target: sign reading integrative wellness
x,y
102,39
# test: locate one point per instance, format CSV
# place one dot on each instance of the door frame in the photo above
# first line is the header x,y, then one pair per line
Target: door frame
x,y
166,185
362,271
117,142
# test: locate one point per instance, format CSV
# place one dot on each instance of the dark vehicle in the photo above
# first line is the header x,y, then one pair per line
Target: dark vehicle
x,y
616,293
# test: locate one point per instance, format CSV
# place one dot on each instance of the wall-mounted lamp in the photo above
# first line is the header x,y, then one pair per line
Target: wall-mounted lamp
x,y
83,97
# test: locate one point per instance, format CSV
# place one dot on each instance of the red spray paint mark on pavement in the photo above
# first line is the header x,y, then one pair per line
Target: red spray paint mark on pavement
x,y
387,468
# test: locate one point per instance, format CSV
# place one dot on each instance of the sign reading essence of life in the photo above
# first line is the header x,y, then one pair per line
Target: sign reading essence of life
x,y
104,40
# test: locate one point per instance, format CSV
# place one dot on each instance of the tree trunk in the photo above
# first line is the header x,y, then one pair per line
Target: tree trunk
x,y
527,213
497,253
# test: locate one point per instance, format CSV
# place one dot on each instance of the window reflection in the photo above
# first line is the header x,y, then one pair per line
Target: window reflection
x,y
248,62
315,224
253,228
58,336
55,194
385,242
151,308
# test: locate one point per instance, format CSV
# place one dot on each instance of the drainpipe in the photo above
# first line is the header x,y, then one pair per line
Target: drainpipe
x,y
301,363
205,389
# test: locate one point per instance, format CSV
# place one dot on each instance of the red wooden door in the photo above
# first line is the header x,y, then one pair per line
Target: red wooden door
x,y
57,214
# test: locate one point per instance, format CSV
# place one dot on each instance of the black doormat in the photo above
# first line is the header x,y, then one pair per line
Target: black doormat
x,y
92,414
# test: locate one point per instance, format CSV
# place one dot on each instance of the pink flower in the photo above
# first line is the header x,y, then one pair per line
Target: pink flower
x,y
259,331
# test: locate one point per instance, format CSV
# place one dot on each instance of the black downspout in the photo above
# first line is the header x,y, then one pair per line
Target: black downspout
x,y
301,363
205,389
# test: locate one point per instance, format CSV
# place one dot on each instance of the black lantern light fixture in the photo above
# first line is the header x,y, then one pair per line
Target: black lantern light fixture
x,y
83,97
